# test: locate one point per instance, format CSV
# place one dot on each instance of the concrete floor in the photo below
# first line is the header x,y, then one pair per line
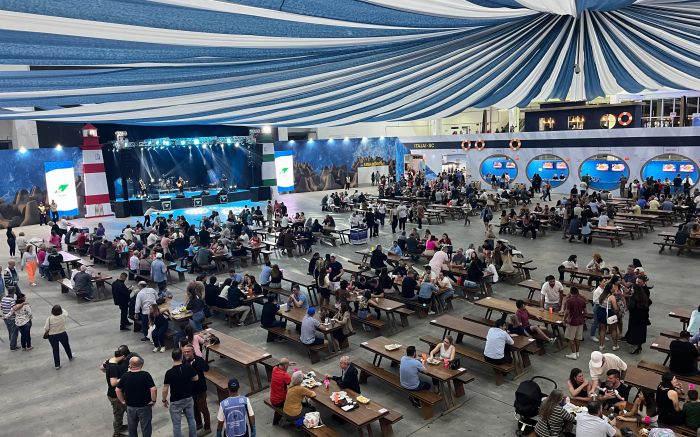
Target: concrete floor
x,y
38,400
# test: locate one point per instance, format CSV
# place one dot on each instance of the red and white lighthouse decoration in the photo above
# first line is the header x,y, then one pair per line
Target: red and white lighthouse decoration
x,y
96,188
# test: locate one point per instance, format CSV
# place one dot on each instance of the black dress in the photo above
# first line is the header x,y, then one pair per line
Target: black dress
x,y
667,414
638,322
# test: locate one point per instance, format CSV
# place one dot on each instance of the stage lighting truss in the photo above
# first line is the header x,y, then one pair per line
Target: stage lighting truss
x,y
201,142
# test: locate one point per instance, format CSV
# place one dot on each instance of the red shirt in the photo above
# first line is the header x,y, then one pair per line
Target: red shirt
x,y
278,385
524,317
575,306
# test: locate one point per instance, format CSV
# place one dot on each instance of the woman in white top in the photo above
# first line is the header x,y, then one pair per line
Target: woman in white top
x,y
29,261
445,349
55,332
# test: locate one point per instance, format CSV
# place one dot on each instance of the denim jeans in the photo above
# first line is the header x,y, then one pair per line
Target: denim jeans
x,y
54,340
594,323
12,332
25,337
196,322
139,416
158,335
144,324
177,409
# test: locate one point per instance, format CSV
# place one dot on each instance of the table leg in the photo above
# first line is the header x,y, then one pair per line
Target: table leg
x,y
257,376
251,382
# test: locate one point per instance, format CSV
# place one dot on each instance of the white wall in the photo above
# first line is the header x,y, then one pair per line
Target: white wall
x,y
21,132
372,130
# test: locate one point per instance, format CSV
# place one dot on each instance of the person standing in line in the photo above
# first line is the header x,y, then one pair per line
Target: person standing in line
x,y
11,240
7,303
159,320
402,213
199,389
159,274
144,299
114,370
139,393
55,332
574,313
235,414
29,260
11,277
178,381
23,322
121,294
54,211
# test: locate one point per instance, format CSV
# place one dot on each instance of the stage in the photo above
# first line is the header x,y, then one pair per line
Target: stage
x,y
192,199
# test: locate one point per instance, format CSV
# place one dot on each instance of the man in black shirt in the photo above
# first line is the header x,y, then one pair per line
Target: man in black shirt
x,y
336,271
614,392
268,318
377,259
408,286
348,377
121,295
684,355
178,380
199,388
113,371
138,392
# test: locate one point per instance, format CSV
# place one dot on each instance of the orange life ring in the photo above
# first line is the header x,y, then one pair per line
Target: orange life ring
x,y
468,143
480,144
627,121
518,144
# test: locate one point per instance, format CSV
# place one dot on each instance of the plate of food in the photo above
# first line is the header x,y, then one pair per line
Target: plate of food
x,y
392,347
361,399
310,383
433,361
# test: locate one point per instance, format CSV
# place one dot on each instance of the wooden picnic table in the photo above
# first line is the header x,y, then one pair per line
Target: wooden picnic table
x,y
69,260
553,319
439,372
534,285
648,219
646,379
296,316
582,273
389,306
242,354
342,233
479,331
683,314
361,418
302,280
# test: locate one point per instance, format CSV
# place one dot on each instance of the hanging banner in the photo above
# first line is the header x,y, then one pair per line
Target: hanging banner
x,y
284,169
60,187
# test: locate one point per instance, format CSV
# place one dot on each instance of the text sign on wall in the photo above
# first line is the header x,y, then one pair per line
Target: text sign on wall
x,y
284,169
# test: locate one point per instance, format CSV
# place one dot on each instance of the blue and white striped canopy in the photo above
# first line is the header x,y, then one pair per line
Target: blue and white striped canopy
x,y
333,62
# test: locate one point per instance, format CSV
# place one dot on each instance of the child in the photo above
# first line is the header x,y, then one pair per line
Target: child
x,y
692,410
608,390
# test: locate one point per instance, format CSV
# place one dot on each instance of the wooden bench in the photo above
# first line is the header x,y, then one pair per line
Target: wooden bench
x,y
375,324
325,238
404,313
671,334
579,285
321,431
269,363
229,314
681,430
524,270
313,350
108,263
479,320
661,369
279,414
500,370
385,422
67,287
427,398
681,247
609,237
220,381
175,267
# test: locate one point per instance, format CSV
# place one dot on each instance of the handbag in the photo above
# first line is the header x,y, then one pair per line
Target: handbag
x,y
46,335
455,364
312,419
151,328
611,319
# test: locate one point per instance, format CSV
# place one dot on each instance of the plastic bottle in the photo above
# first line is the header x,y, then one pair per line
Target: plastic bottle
x,y
327,383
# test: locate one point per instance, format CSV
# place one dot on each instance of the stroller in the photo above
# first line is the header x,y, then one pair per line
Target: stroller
x,y
528,398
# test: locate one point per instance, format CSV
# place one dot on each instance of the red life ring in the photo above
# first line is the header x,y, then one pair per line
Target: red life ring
x,y
518,144
480,144
468,143
627,121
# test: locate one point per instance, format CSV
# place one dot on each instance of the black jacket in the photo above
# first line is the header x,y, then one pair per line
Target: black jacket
x,y
349,379
120,293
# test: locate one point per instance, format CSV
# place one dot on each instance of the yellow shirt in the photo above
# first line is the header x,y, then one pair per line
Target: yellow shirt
x,y
292,403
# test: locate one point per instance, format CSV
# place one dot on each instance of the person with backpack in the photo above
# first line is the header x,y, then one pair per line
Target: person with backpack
x,y
235,414
486,216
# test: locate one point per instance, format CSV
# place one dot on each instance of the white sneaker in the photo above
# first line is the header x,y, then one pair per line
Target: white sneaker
x,y
572,356
578,354
594,338
430,313
162,349
156,349
601,348
615,348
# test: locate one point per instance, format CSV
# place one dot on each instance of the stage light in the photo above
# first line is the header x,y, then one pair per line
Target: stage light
x,y
196,142
346,139
161,147
292,141
166,143
331,139
22,149
231,187
364,139
267,129
182,142
157,143
204,145
59,147
149,142
237,144
381,138
189,147
228,140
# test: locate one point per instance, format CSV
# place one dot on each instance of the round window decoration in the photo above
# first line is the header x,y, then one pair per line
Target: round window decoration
x,y
551,168
669,167
608,121
603,171
498,165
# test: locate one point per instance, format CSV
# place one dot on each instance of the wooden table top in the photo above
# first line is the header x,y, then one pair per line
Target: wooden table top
x,y
662,344
359,417
681,313
296,316
533,284
297,278
476,330
438,371
509,307
582,271
382,303
237,350
69,257
642,378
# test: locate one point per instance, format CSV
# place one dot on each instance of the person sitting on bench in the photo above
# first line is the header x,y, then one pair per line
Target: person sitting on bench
x,y
409,373
83,284
498,341
308,329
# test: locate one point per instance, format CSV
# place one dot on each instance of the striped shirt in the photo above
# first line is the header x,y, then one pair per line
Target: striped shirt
x,y
6,305
552,427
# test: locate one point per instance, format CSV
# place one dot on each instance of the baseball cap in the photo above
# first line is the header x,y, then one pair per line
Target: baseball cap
x,y
596,360
159,255
233,384
311,311
143,283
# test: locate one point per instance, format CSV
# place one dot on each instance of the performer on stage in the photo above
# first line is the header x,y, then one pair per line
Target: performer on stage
x,y
224,181
180,184
142,187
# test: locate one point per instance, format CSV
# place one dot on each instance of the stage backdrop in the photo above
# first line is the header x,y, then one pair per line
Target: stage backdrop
x,y
24,185
198,165
324,164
